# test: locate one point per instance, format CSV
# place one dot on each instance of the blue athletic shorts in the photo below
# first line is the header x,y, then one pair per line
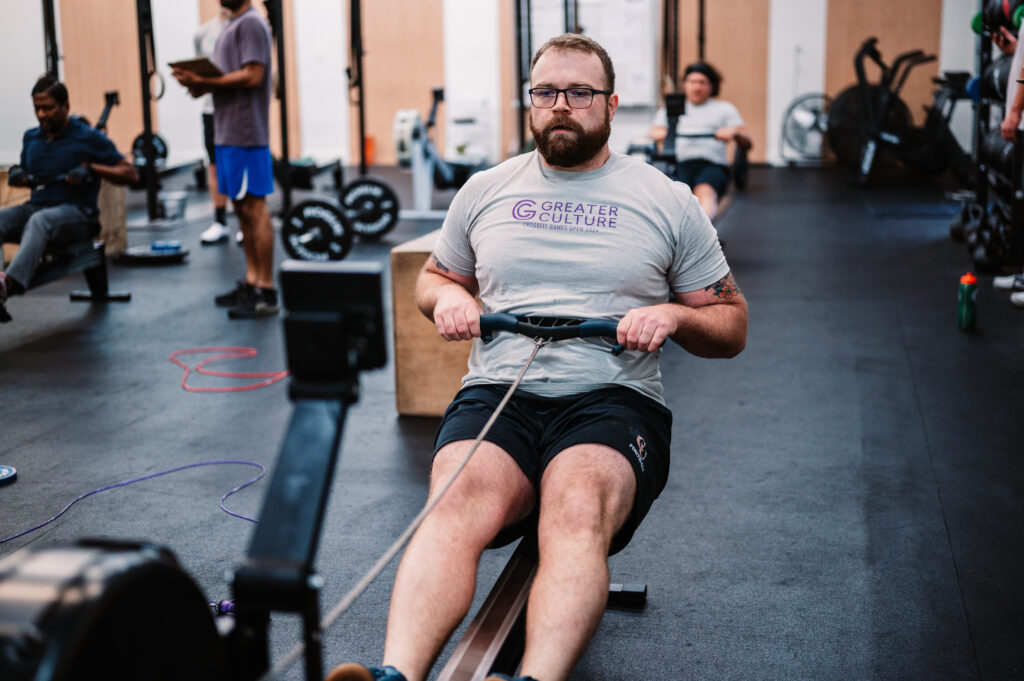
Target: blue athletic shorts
x,y
534,429
244,170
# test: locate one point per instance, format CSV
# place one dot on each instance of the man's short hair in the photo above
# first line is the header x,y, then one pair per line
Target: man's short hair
x,y
48,85
580,43
708,71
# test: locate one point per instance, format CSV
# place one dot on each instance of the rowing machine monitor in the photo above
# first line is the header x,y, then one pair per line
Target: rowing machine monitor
x,y
334,326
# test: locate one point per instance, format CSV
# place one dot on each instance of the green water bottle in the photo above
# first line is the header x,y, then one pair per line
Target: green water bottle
x,y
967,299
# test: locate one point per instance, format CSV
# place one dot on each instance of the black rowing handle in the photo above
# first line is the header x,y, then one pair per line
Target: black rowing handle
x,y
587,328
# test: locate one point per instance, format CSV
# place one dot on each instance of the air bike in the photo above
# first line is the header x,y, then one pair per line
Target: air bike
x,y
73,612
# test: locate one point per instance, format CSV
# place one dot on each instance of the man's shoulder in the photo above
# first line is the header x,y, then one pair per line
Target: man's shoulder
x,y
79,129
251,19
501,171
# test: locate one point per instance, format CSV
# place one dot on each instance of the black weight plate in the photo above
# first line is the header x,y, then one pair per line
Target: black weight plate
x,y
139,149
316,230
8,474
371,207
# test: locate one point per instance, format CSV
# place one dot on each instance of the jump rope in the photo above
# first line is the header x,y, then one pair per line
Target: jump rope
x,y
220,353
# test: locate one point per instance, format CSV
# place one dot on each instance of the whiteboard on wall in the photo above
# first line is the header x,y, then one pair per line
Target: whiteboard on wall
x,y
627,29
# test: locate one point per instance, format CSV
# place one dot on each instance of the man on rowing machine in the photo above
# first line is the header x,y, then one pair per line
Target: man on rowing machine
x,y
59,160
582,450
702,134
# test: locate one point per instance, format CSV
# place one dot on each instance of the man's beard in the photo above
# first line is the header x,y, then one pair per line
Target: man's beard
x,y
232,5
566,151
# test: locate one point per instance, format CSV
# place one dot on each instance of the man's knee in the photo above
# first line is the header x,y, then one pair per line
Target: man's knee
x,y
587,492
489,492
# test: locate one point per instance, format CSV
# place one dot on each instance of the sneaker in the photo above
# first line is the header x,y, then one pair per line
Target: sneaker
x,y
238,237
214,234
1017,298
1012,282
352,671
263,303
236,296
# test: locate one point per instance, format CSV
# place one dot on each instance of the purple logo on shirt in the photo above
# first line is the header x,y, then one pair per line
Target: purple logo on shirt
x,y
566,216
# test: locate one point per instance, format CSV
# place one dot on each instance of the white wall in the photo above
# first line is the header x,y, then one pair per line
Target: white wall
x,y
179,117
321,54
472,80
957,52
24,60
796,61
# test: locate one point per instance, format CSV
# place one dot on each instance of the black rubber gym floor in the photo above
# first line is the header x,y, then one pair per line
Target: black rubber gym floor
x,y
846,498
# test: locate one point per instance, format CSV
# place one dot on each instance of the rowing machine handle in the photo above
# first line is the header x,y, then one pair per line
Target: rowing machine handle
x,y
588,328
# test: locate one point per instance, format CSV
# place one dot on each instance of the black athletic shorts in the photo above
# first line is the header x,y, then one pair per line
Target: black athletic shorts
x,y
208,137
534,429
701,171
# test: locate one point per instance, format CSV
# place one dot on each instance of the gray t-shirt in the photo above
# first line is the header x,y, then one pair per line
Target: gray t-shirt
x,y
700,119
241,116
575,244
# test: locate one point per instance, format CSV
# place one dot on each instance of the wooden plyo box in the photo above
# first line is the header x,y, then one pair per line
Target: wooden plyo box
x,y
428,369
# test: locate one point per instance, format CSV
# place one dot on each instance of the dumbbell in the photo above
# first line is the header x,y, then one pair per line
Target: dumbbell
x,y
995,79
1000,152
998,13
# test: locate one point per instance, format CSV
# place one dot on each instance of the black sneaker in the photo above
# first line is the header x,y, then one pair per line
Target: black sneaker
x,y
262,303
236,296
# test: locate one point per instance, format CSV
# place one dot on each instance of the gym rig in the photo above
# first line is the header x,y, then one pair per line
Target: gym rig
x,y
318,229
991,219
72,612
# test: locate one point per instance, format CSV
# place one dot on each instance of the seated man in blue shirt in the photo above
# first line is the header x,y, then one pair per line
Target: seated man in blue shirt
x,y
61,160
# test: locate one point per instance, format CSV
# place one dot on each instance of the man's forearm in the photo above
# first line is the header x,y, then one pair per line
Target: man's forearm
x,y
122,173
712,331
429,287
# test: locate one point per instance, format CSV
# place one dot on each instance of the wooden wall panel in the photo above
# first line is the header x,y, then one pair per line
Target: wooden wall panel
x,y
899,27
403,62
736,44
509,138
100,47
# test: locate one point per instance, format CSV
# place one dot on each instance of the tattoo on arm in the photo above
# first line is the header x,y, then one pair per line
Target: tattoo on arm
x,y
725,288
439,266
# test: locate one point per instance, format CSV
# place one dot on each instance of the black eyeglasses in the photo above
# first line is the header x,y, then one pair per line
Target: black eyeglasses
x,y
575,97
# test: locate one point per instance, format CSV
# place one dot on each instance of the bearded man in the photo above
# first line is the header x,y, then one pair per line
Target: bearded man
x,y
571,230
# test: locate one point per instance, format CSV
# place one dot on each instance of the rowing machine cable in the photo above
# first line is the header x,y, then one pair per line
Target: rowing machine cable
x,y
296,652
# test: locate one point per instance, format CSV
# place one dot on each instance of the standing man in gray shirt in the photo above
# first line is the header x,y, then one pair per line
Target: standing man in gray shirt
x,y
241,112
582,449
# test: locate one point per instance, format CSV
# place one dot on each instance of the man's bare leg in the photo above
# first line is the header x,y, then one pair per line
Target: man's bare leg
x,y
586,495
219,200
437,576
257,240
